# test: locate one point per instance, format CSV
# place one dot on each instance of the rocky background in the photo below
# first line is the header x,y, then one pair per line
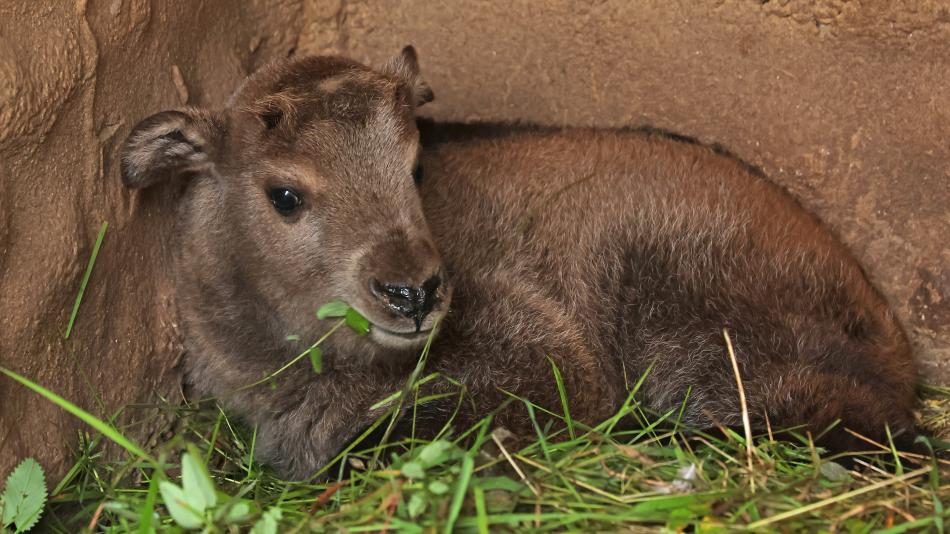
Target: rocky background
x,y
846,103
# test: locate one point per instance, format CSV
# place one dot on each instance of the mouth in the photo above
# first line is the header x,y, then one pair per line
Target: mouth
x,y
401,336
386,336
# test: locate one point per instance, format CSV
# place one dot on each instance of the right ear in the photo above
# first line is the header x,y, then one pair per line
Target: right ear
x,y
169,144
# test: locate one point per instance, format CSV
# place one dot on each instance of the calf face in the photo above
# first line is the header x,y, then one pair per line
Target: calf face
x,y
298,193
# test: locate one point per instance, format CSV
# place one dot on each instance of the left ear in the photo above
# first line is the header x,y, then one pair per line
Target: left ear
x,y
405,67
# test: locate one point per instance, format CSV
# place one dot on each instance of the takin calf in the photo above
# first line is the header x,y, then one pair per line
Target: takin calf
x,y
612,254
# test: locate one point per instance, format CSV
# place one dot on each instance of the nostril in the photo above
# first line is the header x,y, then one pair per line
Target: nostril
x,y
399,295
426,298
399,292
432,284
391,291
409,301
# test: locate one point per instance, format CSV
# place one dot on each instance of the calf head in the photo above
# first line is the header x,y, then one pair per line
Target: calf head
x,y
298,193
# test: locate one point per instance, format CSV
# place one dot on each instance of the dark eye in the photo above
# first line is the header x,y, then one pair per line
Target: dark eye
x,y
285,200
417,174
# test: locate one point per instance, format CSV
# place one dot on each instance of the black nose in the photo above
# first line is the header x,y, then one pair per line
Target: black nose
x,y
406,300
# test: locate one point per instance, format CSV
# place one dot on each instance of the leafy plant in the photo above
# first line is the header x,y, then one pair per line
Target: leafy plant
x,y
425,486
23,498
197,504
269,522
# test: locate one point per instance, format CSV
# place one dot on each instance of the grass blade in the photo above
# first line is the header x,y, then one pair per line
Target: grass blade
x,y
562,392
106,429
148,507
480,510
461,487
85,278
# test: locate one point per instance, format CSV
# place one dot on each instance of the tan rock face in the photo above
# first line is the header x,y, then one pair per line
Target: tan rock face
x,y
845,103
73,80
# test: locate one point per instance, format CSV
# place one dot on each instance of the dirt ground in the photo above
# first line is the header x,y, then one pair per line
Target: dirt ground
x,y
846,103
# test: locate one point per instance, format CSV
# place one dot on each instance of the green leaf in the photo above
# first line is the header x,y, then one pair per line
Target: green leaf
x,y
438,487
502,483
336,308
178,506
357,322
196,482
417,505
268,522
834,472
238,512
435,453
413,470
661,506
316,359
405,527
24,496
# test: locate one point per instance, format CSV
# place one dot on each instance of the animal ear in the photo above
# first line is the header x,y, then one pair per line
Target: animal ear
x,y
405,67
169,144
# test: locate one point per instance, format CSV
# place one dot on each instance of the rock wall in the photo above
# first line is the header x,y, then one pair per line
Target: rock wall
x,y
74,78
846,103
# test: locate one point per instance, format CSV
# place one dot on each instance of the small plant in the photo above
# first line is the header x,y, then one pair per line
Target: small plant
x,y
423,485
269,522
23,497
197,504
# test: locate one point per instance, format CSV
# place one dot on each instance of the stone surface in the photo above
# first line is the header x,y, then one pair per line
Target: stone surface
x,y
74,78
846,103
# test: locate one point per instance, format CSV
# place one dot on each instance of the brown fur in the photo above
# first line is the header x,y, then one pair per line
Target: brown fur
x,y
607,252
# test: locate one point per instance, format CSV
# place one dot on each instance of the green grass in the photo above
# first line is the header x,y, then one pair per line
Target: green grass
x,y
85,278
569,477
597,479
